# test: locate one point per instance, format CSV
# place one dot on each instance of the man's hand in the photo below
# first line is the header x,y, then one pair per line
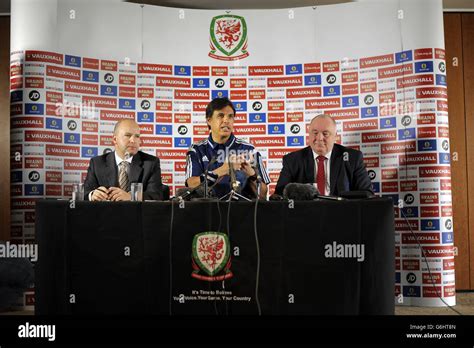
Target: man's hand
x,y
239,163
224,169
100,194
245,165
117,194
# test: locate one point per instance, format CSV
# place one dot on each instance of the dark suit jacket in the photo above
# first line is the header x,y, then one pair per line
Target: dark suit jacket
x,y
349,175
16,275
145,168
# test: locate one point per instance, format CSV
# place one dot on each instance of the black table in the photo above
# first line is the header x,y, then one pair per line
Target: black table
x,y
121,258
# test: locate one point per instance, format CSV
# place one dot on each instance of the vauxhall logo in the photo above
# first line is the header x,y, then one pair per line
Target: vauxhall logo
x,y
331,79
257,106
372,174
145,104
219,83
34,95
109,78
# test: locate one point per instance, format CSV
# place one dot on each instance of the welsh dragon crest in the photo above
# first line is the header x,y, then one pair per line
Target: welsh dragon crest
x,y
211,256
228,40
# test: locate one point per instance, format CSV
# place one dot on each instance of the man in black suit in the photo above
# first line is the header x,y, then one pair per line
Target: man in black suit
x,y
16,275
109,176
332,167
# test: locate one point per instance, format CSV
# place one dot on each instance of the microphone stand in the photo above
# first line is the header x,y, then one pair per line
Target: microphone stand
x,y
206,172
234,185
206,197
204,183
258,182
189,192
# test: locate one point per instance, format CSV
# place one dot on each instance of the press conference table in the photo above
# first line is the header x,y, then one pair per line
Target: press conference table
x,y
136,258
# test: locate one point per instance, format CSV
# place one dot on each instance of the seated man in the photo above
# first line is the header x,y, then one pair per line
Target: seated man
x,y
332,167
109,176
220,149
16,276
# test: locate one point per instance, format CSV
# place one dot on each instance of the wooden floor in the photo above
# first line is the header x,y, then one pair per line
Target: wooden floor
x,y
464,305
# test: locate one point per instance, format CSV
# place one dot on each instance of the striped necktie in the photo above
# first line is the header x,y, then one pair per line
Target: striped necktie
x,y
124,182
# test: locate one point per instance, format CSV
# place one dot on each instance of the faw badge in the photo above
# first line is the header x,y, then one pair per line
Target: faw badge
x,y
211,257
228,39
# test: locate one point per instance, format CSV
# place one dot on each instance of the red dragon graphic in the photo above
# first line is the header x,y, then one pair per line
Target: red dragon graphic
x,y
213,250
229,31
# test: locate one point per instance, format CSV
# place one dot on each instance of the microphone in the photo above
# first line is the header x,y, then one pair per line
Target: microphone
x,y
305,192
256,168
234,184
300,192
206,172
211,162
275,197
182,191
202,191
187,193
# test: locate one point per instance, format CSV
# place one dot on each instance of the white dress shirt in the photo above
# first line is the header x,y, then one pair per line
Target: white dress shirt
x,y
327,169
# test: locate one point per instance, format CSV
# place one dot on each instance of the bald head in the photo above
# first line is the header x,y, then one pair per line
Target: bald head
x,y
124,122
322,134
324,116
126,137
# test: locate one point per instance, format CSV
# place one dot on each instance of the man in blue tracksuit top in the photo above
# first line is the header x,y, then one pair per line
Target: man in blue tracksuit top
x,y
222,148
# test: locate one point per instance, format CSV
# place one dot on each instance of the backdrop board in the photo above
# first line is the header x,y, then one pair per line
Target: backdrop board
x,y
377,67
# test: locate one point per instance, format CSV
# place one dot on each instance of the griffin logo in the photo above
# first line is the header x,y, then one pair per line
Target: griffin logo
x,y
211,257
228,39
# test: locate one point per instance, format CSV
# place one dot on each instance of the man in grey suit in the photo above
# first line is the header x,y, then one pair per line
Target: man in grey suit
x,y
109,176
